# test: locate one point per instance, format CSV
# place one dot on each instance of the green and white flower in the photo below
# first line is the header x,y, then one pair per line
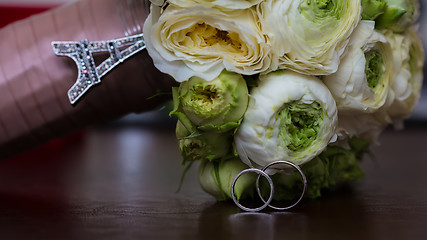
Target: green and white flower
x,y
307,36
408,56
290,117
211,106
362,81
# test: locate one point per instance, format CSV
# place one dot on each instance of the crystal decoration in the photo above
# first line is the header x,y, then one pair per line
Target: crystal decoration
x,y
82,53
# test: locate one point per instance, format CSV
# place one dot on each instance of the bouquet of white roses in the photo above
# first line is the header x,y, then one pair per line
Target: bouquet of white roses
x,y
310,82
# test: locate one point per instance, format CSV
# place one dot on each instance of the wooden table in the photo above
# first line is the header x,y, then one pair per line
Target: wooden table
x,y
119,183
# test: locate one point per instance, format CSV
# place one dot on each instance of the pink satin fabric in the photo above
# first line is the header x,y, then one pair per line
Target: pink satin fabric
x,y
34,106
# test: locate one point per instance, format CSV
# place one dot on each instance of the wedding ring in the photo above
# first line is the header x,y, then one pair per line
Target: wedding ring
x,y
266,203
304,179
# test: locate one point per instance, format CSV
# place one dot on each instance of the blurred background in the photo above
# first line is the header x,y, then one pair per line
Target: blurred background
x,y
420,112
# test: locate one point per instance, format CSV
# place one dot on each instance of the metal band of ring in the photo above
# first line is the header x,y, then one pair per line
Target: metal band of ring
x,y
303,178
259,172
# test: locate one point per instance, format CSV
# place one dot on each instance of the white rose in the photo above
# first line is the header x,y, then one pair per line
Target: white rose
x,y
362,81
309,36
408,55
363,125
291,117
200,41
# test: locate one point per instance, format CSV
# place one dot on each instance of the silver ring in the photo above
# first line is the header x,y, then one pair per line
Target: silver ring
x,y
266,203
303,191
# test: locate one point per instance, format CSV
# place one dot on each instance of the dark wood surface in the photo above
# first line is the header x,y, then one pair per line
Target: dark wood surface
x,y
120,182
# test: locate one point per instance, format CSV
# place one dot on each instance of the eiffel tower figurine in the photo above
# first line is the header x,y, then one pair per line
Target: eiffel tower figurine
x,y
82,53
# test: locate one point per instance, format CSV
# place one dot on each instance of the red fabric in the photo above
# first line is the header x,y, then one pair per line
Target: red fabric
x,y
9,14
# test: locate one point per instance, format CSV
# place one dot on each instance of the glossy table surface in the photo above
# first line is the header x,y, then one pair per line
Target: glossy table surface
x,y
119,182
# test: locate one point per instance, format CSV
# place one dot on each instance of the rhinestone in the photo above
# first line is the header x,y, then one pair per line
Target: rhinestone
x,y
90,74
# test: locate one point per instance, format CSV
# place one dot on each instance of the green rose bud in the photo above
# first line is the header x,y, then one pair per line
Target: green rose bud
x,y
343,165
208,179
331,168
398,15
216,105
288,187
216,179
372,9
202,146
